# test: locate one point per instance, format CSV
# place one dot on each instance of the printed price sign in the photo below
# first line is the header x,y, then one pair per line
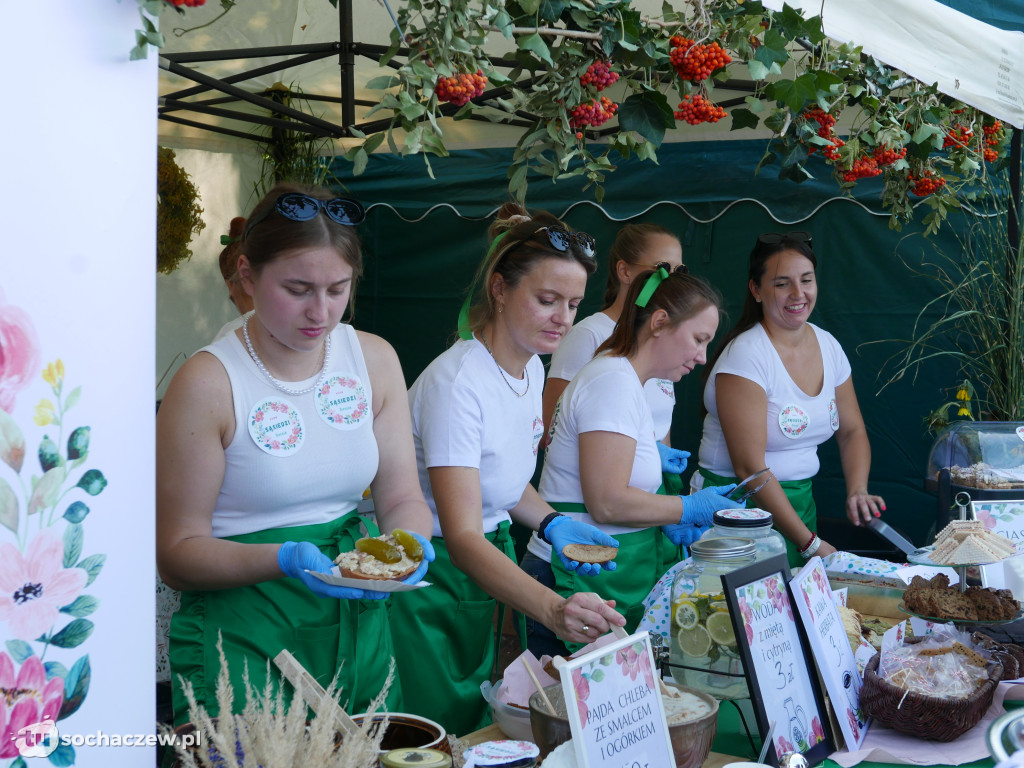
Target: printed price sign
x,y
1003,517
775,658
831,649
616,714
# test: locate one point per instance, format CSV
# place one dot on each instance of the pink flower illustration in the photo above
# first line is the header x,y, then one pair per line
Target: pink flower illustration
x,y
817,731
258,417
35,586
325,390
582,688
782,746
28,698
19,353
748,620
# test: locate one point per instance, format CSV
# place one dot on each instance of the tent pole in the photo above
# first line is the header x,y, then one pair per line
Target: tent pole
x,y
346,62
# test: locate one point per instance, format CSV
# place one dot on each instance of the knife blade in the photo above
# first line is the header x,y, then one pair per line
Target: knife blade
x,y
888,533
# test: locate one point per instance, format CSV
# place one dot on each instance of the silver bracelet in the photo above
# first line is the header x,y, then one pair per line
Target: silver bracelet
x,y
808,553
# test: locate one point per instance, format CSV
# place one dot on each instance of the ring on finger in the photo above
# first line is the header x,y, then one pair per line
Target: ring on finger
x,y
586,628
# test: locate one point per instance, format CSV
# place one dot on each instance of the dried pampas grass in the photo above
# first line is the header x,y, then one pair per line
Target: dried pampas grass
x,y
269,734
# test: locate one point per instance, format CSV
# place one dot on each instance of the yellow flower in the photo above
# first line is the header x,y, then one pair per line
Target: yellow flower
x,y
54,374
963,394
44,413
963,411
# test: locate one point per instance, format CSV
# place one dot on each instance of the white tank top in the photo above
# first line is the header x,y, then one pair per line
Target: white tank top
x,y
295,459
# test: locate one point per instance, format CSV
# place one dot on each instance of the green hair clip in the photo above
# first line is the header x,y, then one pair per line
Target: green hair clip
x,y
656,278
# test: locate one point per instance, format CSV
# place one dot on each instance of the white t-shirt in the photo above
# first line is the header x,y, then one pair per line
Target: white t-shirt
x,y
465,415
577,349
605,396
797,423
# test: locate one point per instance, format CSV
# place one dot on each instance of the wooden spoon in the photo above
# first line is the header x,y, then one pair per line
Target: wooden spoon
x,y
621,633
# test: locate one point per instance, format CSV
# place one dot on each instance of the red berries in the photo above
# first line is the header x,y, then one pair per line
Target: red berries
x,y
959,136
599,74
186,3
592,114
460,88
925,183
696,109
862,168
826,122
888,156
993,133
696,62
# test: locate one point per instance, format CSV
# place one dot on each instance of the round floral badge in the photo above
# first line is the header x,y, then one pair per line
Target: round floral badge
x,y
666,386
792,421
276,427
341,401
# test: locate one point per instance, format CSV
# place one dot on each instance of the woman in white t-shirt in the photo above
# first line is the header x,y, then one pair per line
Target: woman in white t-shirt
x,y
602,465
476,413
779,387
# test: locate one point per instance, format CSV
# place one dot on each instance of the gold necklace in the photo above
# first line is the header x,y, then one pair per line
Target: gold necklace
x,y
501,370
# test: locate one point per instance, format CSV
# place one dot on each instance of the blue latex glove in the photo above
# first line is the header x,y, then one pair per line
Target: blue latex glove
x,y
683,533
296,557
699,508
564,530
673,460
428,558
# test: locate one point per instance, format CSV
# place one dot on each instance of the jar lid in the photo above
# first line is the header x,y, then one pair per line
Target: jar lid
x,y
724,548
743,518
505,753
421,758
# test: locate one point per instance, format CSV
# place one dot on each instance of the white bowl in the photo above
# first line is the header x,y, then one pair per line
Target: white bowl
x,y
513,721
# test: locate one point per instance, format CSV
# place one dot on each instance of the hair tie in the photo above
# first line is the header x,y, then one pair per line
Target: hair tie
x,y
465,332
651,286
228,239
518,218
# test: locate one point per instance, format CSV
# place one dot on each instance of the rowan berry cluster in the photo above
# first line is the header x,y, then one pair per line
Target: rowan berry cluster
x,y
696,61
593,113
696,109
959,136
826,124
599,75
926,183
186,3
993,133
459,89
887,156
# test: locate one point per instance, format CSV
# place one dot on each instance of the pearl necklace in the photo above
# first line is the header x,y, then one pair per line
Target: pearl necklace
x,y
501,370
270,378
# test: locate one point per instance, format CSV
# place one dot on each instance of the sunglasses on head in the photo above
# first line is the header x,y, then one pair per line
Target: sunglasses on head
x,y
299,207
774,238
562,240
682,269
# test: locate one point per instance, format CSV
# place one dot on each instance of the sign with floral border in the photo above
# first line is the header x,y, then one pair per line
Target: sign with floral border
x,y
615,709
830,649
776,660
46,566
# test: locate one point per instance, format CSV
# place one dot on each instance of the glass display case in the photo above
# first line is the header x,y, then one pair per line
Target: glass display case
x,y
984,459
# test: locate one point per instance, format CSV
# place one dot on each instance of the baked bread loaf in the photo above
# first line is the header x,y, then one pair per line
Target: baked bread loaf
x,y
362,563
590,553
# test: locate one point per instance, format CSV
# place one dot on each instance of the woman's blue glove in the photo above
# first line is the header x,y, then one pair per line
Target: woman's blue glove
x,y
564,530
699,508
428,558
296,557
673,460
684,534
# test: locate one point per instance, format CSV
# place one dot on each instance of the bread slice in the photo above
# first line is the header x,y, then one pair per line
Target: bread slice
x,y
357,564
590,553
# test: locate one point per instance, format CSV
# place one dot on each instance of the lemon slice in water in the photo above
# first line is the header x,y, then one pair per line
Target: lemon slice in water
x,y
687,615
720,629
694,642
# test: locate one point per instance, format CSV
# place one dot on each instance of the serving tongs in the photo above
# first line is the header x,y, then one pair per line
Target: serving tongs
x,y
748,486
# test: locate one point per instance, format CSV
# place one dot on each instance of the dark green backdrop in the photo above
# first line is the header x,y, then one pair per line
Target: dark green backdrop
x,y
424,238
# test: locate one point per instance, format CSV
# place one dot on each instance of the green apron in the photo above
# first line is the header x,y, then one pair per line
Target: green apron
x,y
643,558
446,640
799,494
672,484
347,638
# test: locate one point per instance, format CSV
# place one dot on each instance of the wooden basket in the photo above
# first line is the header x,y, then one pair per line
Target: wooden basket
x,y
927,717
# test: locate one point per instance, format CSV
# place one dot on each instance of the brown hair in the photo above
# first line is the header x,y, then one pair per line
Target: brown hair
x,y
629,247
522,246
229,256
681,295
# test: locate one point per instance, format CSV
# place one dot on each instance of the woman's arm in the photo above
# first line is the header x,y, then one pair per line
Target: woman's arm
x,y
194,423
606,464
553,389
855,456
742,411
397,497
457,496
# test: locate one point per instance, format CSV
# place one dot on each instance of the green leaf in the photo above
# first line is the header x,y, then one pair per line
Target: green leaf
x,y
743,118
517,181
62,757
78,443
46,490
383,82
648,113
55,669
82,606
530,7
74,537
73,635
12,442
551,10
76,686
92,482
72,400
503,22
371,144
536,45
359,161
8,506
92,565
18,650
758,70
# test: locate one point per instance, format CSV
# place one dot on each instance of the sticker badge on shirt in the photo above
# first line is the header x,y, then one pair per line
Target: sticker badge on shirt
x,y
792,421
276,427
538,433
666,386
833,414
341,401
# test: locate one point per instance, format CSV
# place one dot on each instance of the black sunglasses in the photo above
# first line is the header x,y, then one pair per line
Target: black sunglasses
x,y
299,207
562,240
682,269
774,238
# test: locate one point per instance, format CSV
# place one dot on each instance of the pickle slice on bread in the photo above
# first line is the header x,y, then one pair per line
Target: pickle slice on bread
x,y
590,553
361,564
